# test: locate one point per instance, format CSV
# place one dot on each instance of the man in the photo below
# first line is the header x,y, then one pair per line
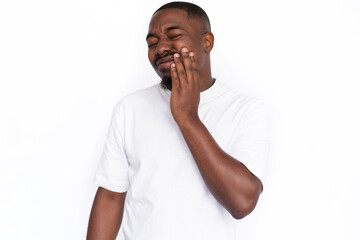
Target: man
x,y
185,157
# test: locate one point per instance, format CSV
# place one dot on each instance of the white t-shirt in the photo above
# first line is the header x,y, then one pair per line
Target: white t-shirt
x,y
146,156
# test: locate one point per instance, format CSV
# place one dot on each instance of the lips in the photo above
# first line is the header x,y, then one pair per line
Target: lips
x,y
168,58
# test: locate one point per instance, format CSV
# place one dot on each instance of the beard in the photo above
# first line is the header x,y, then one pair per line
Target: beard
x,y
166,83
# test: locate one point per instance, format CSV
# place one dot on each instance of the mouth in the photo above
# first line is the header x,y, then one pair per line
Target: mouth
x,y
165,60
163,65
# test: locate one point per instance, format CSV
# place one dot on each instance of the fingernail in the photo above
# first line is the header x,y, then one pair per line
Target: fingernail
x,y
185,50
176,55
173,65
191,54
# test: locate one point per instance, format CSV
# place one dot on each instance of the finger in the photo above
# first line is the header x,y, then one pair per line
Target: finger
x,y
180,70
174,77
187,64
193,66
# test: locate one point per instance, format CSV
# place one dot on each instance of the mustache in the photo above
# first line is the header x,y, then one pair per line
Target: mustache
x,y
165,55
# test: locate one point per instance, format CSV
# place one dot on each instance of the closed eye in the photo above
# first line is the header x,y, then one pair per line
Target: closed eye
x,y
152,43
176,36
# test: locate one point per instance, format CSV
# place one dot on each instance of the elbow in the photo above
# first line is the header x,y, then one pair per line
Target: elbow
x,y
243,207
238,215
242,211
245,201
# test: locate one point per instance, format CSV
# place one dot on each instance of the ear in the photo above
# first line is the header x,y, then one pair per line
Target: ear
x,y
208,42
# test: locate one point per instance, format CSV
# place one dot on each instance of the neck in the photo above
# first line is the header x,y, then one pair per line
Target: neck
x,y
206,79
206,84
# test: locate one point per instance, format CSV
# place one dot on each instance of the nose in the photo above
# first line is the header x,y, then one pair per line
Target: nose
x,y
162,46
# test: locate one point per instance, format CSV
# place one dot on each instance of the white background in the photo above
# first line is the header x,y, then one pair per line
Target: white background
x,y
64,65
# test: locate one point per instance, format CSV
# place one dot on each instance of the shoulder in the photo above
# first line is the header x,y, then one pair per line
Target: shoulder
x,y
139,97
241,101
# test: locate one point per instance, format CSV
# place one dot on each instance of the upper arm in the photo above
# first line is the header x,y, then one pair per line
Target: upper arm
x,y
251,142
113,168
107,195
106,214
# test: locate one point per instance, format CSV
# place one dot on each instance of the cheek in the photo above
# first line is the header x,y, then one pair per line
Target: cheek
x,y
151,56
200,59
178,45
193,47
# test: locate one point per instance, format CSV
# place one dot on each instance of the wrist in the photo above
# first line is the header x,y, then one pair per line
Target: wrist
x,y
189,122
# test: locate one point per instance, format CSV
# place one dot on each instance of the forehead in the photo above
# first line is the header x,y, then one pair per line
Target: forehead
x,y
172,17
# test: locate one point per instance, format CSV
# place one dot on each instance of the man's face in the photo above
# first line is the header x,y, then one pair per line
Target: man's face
x,y
169,31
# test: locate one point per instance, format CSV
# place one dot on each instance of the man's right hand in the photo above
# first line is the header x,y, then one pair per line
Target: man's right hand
x,y
185,93
106,215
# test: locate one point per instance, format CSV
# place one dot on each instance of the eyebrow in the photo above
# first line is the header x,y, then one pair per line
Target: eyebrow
x,y
168,29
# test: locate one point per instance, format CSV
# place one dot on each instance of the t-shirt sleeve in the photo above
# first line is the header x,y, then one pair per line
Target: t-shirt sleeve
x,y
112,172
251,141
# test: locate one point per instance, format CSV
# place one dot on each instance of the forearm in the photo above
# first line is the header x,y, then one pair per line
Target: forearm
x,y
106,215
230,182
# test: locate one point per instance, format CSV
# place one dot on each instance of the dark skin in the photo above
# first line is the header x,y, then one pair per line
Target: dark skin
x,y
179,47
171,30
106,215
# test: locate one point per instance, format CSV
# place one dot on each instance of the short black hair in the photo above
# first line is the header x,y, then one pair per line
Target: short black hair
x,y
192,11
